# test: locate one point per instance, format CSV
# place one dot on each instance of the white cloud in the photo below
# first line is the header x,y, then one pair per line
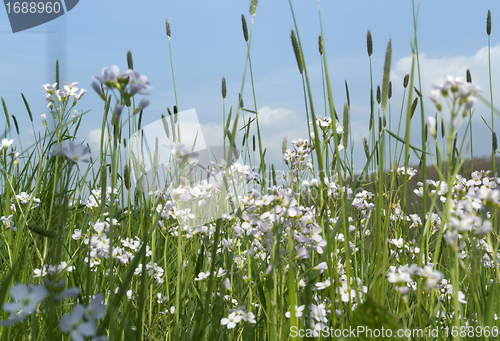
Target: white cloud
x,y
435,71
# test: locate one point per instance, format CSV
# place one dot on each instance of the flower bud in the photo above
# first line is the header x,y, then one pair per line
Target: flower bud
x,y
432,125
44,120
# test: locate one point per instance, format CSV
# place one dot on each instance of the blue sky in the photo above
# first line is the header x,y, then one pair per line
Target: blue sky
x,y
207,44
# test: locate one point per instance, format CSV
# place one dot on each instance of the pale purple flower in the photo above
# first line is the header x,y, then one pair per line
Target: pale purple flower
x,y
74,324
27,299
8,223
77,152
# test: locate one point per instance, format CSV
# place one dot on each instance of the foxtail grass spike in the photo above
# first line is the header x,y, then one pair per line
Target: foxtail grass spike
x,y
426,132
274,174
385,122
124,142
140,119
413,107
345,122
41,231
369,43
245,28
253,7
224,89
378,95
15,124
167,26
347,94
27,107
57,74
390,90
320,45
104,176
126,177
6,113
175,110
405,80
253,143
488,23
494,142
379,124
443,132
130,61
169,112
283,146
165,126
296,50
468,76
371,121
241,101
387,72
365,145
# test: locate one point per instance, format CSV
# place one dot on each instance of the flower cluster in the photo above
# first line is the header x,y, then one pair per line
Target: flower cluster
x,y
405,277
52,269
128,83
464,91
327,128
411,172
298,159
236,316
62,95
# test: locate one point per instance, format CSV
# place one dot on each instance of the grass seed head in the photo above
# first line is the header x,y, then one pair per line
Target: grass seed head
x,y
245,28
167,25
296,50
365,145
253,7
126,177
414,107
130,61
224,89
488,23
386,76
369,43
345,123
